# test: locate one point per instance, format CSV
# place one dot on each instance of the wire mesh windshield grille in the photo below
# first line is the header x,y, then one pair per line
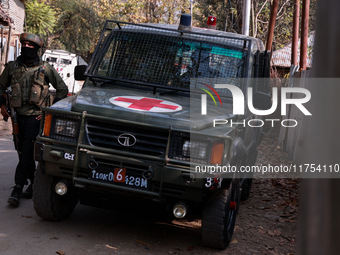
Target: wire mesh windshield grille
x,y
167,58
128,138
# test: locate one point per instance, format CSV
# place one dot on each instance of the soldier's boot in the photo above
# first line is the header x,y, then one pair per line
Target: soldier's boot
x,y
28,193
15,196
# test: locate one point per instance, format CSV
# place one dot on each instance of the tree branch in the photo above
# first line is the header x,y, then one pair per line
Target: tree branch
x,y
258,13
278,13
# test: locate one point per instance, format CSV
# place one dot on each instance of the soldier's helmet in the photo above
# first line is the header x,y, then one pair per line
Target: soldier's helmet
x,y
31,38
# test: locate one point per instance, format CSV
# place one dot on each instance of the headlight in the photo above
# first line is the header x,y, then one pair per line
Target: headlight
x,y
194,149
66,127
61,127
208,150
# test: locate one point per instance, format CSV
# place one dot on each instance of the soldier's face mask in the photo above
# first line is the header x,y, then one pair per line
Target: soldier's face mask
x,y
29,53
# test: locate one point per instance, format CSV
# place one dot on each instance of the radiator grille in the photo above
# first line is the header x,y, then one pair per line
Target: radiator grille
x,y
137,139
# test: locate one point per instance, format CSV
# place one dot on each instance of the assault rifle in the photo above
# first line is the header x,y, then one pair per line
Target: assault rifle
x,y
14,120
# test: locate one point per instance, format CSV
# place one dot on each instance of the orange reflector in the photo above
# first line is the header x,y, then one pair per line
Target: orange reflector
x,y
47,124
217,153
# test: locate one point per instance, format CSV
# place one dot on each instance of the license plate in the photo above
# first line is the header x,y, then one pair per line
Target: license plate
x,y
119,176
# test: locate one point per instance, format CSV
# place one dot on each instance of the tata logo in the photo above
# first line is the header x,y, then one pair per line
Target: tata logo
x,y
127,140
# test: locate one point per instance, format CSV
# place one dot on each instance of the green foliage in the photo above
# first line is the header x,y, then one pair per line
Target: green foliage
x,y
40,17
78,25
79,22
220,9
229,17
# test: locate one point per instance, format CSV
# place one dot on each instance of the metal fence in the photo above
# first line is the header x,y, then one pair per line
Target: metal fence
x,y
289,137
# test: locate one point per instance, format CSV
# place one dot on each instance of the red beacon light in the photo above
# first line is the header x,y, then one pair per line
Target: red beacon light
x,y
211,23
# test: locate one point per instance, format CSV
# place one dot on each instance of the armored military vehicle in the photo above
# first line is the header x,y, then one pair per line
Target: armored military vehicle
x,y
130,134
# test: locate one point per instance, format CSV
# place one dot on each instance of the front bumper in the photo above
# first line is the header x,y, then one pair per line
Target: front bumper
x,y
77,165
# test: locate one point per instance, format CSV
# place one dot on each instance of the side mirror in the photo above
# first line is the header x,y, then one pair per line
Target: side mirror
x,y
79,72
262,101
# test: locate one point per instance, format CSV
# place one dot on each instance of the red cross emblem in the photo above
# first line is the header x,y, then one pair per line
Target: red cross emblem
x,y
145,104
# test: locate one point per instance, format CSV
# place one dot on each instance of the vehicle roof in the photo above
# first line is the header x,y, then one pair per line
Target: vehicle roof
x,y
60,53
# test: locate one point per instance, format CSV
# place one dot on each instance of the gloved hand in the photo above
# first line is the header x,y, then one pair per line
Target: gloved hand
x,y
4,112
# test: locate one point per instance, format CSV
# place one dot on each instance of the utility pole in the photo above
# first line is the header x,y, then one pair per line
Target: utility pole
x,y
295,41
191,11
246,17
304,34
273,13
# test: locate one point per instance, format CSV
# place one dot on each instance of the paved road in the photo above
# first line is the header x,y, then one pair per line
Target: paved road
x,y
88,230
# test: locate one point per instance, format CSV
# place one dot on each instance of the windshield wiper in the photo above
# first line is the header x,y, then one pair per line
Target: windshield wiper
x,y
101,83
173,91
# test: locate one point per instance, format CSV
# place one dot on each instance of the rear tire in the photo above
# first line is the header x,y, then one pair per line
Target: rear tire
x,y
48,204
219,217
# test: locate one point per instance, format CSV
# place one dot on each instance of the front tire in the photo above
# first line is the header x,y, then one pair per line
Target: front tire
x,y
219,217
48,204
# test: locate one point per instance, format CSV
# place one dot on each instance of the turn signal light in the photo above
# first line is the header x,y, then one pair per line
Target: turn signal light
x,y
47,124
217,153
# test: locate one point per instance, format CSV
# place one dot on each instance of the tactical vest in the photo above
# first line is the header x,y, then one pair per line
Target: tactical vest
x,y
28,86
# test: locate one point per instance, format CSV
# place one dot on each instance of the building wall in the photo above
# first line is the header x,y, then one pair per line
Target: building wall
x,y
16,10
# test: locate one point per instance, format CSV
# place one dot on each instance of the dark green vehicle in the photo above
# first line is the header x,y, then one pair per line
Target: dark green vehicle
x,y
130,134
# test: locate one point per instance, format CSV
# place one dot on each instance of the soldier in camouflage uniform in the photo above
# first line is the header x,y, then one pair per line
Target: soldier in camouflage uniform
x,y
29,78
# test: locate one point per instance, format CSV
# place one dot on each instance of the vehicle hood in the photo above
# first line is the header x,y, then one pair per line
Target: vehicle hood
x,y
101,101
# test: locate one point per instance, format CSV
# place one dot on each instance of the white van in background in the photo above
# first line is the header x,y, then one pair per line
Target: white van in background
x,y
64,62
